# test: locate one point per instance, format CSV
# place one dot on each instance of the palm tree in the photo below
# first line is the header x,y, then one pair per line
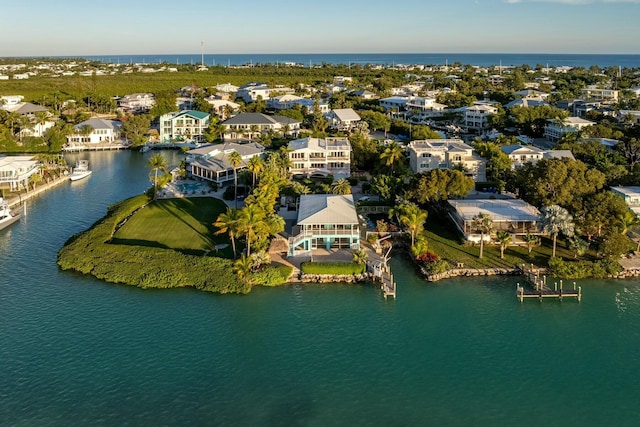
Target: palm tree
x,y
242,267
360,256
157,163
504,238
413,218
251,217
255,166
392,155
228,222
530,240
341,186
482,223
34,179
554,220
235,159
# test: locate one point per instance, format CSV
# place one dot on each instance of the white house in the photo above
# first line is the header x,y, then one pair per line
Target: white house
x,y
521,154
476,117
512,215
221,107
16,170
10,100
343,119
320,157
282,102
428,154
631,196
137,102
38,128
250,124
325,221
253,91
397,103
553,131
94,131
211,162
227,88
187,125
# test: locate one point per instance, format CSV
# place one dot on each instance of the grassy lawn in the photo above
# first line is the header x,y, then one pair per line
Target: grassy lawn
x,y
445,241
184,225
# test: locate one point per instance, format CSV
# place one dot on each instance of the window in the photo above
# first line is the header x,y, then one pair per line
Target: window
x,y
426,155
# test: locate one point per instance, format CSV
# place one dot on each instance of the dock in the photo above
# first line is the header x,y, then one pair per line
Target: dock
x,y
541,290
101,146
378,264
388,285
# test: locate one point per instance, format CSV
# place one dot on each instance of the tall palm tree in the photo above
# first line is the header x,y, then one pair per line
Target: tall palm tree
x,y
228,222
392,155
554,220
235,159
156,164
341,186
413,219
482,223
504,238
255,166
250,218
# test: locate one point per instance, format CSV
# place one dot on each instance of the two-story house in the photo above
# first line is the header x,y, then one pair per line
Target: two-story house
x,y
428,154
554,130
343,119
16,170
253,91
476,117
253,124
320,157
137,102
183,125
94,131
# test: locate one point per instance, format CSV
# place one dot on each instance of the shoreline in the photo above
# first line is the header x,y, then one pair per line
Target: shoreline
x,y
23,197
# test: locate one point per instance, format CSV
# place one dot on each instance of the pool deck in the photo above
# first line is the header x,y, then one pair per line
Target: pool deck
x,y
171,192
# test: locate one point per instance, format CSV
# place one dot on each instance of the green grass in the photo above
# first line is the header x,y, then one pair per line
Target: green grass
x,y
332,268
445,241
184,225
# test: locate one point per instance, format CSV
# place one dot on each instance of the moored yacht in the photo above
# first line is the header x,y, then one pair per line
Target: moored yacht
x,y
80,170
6,217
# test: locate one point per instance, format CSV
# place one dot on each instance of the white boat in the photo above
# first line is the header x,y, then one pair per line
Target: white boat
x,y
6,217
145,148
80,170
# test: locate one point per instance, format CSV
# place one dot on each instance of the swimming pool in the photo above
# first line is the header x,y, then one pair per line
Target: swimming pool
x,y
188,187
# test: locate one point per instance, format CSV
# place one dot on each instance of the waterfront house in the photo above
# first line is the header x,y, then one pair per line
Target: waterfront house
x,y
187,125
94,131
211,162
320,157
428,154
253,124
325,221
512,215
16,170
631,196
344,119
555,130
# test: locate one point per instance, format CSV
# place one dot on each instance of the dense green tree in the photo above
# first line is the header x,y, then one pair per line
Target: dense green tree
x,y
376,120
364,152
498,162
556,220
532,120
393,156
165,103
386,186
411,217
341,186
439,184
136,128
602,213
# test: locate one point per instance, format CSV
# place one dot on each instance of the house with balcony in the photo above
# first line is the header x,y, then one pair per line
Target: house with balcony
x,y
187,125
554,130
425,107
16,170
253,91
593,93
514,216
253,124
137,102
94,131
476,117
343,119
522,154
320,157
222,108
325,221
211,162
428,154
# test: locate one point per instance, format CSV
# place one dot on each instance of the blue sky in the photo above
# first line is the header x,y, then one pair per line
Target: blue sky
x,y
74,27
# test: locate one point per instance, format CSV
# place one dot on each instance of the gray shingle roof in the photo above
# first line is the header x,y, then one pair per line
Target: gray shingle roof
x,y
327,209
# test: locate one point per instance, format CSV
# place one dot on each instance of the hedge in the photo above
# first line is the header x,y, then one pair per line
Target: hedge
x,y
332,268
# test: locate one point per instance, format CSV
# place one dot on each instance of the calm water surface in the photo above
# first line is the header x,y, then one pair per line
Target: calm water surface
x,y
76,351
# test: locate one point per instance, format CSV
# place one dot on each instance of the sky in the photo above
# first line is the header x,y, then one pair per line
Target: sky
x,y
76,28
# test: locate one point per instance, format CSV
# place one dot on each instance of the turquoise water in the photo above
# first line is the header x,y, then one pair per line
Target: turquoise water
x,y
76,351
188,187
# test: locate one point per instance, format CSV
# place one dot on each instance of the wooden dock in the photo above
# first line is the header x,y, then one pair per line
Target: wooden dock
x,y
541,290
388,285
95,147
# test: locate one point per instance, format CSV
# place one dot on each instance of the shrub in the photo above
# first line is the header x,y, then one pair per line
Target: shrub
x,y
272,275
353,181
332,268
366,187
437,266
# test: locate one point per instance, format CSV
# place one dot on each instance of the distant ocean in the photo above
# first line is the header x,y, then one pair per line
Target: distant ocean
x,y
480,59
